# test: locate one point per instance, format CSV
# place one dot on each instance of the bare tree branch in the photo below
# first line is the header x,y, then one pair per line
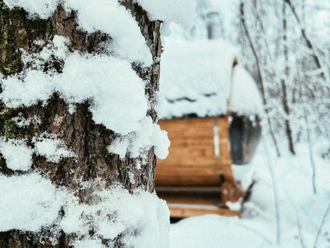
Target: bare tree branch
x,y
322,223
261,84
303,33
285,102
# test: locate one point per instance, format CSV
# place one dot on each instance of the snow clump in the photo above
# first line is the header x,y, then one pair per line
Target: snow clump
x,y
52,148
101,15
139,142
40,202
113,216
97,78
28,202
105,15
18,155
36,8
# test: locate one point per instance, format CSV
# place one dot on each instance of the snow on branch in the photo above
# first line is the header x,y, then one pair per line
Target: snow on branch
x,y
17,155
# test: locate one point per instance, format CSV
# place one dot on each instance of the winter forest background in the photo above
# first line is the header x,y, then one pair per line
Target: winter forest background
x,y
285,47
100,192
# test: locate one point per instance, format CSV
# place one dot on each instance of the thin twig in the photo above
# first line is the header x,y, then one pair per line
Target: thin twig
x,y
304,35
256,232
261,84
311,157
275,193
297,221
322,223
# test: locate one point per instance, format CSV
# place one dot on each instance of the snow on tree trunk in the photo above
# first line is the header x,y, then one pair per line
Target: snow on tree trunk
x,y
56,136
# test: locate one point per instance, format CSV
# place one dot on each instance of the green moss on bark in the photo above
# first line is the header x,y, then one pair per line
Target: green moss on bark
x,y
17,31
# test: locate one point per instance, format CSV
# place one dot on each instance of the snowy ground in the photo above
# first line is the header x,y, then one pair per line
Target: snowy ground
x,y
303,217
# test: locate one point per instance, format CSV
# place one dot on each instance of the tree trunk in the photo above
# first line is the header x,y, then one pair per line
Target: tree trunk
x,y
285,101
87,139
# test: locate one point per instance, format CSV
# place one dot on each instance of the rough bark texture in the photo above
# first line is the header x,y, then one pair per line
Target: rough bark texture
x,y
87,139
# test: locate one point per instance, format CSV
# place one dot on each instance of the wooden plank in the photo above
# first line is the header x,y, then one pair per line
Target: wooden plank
x,y
183,211
193,201
225,156
191,197
187,180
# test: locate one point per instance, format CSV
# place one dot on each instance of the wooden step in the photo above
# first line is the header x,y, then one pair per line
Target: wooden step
x,y
186,210
193,201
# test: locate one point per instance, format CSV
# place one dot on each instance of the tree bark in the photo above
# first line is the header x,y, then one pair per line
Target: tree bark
x,y
78,131
285,101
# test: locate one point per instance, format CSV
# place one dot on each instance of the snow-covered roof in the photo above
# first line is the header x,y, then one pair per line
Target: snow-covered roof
x,y
245,97
197,78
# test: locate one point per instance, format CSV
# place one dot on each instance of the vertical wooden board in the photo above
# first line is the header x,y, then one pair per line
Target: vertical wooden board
x,y
224,142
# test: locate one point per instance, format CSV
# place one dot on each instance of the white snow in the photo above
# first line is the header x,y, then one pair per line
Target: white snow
x,y
17,155
245,97
120,212
198,77
110,17
23,122
195,77
139,142
103,15
98,78
181,12
212,231
56,48
28,202
160,141
37,86
300,210
161,104
60,49
235,206
51,148
88,243
36,8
